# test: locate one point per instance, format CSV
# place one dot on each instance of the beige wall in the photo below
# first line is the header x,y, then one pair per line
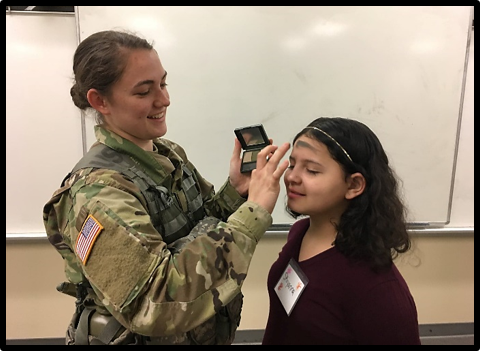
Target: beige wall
x,y
442,285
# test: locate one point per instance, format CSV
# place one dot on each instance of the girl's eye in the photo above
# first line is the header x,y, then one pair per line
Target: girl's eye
x,y
163,85
312,171
143,93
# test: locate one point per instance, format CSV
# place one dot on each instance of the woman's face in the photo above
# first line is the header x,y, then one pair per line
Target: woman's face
x,y
137,106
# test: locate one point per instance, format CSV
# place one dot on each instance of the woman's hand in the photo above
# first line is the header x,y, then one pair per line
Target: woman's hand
x,y
240,181
265,179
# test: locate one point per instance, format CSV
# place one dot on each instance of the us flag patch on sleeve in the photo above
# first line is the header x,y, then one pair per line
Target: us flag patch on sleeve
x,y
90,230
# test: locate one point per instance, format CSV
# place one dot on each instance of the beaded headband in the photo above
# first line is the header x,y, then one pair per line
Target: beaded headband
x,y
336,142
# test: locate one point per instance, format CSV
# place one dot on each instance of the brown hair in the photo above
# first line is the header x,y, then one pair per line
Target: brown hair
x,y
99,61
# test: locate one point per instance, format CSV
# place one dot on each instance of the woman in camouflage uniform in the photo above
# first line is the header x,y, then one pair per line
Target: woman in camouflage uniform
x,y
153,254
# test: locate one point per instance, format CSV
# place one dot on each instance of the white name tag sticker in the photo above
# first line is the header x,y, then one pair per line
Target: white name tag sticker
x,y
291,285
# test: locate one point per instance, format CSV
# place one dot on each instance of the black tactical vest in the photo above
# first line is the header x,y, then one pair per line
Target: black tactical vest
x,y
163,206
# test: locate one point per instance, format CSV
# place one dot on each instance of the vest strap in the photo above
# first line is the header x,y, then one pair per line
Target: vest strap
x,y
81,334
109,332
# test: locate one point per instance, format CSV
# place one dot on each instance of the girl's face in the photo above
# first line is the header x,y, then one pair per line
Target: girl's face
x,y
137,106
314,181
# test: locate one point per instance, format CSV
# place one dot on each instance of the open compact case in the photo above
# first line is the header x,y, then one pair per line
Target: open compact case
x,y
253,139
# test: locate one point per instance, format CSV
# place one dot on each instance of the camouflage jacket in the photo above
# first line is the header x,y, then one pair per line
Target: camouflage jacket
x,y
98,221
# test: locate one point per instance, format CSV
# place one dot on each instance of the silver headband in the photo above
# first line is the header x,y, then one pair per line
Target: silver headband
x,y
336,142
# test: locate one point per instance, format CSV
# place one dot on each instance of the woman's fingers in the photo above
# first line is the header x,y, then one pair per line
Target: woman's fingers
x,y
265,182
272,154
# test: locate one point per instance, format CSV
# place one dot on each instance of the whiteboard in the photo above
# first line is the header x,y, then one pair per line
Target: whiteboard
x,y
399,69
43,127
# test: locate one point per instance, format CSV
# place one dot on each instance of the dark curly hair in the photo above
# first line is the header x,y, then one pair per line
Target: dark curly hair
x,y
99,62
373,229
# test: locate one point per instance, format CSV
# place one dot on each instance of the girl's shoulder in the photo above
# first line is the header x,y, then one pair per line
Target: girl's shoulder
x,y
299,227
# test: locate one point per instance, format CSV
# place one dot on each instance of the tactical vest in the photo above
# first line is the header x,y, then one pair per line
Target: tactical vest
x,y
164,207
176,226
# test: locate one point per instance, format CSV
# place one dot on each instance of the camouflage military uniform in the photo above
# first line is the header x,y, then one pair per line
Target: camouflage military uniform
x,y
98,221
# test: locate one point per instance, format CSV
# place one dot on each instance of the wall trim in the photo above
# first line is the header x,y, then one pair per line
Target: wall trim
x,y
282,229
430,334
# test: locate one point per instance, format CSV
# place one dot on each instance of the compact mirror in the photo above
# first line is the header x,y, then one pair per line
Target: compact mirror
x,y
253,139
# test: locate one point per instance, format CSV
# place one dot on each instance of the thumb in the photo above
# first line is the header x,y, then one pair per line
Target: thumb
x,y
237,150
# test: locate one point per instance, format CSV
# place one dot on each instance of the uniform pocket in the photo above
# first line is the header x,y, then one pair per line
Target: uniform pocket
x,y
205,333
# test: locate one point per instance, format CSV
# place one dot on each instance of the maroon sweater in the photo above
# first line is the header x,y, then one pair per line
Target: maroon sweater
x,y
342,304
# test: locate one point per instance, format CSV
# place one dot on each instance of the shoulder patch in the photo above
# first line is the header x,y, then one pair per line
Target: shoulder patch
x,y
88,234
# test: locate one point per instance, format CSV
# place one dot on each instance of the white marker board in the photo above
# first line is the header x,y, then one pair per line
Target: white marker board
x,y
398,69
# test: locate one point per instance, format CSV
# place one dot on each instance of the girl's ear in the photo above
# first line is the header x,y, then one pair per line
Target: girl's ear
x,y
356,185
97,101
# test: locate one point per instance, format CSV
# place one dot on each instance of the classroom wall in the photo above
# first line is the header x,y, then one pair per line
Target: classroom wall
x,y
439,271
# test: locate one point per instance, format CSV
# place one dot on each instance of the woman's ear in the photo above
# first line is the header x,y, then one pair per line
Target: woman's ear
x,y
97,101
356,185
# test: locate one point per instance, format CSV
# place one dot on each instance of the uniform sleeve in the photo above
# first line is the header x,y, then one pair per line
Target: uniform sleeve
x,y
146,287
220,204
223,203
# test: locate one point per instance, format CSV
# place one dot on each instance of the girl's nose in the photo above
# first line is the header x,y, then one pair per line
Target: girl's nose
x,y
291,176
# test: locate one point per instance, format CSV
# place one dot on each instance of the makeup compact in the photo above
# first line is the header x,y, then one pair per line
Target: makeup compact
x,y
253,139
